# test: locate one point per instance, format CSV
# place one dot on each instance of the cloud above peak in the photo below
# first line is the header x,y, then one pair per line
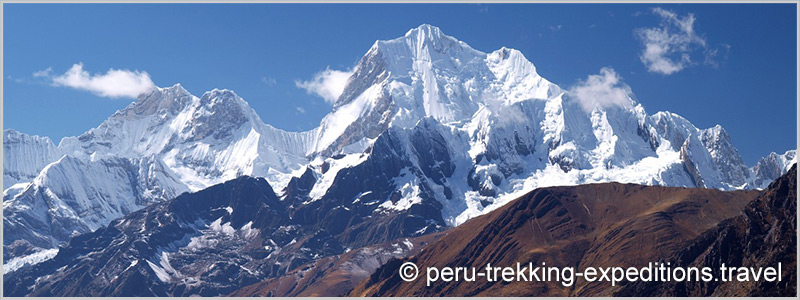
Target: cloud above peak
x,y
328,84
113,84
669,47
605,89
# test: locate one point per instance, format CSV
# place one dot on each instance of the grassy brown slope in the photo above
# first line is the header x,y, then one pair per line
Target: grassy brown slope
x,y
335,275
764,235
598,225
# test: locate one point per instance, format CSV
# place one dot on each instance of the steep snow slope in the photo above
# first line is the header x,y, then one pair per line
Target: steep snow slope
x,y
205,140
426,74
24,156
75,195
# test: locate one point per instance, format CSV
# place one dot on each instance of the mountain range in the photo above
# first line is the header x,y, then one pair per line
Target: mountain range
x,y
427,134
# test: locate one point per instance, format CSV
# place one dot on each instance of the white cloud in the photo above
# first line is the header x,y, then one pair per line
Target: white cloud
x,y
43,73
300,110
269,81
328,84
605,90
113,84
17,80
668,48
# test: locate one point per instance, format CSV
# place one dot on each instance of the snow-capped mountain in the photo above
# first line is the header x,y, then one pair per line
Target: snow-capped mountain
x,y
426,74
428,133
165,143
205,140
771,165
73,196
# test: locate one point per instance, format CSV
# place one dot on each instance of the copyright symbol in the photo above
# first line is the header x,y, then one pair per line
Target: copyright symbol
x,y
408,271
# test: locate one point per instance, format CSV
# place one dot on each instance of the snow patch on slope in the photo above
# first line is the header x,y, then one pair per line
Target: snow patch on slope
x,y
28,260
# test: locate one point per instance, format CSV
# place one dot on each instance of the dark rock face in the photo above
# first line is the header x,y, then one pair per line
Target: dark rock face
x,y
431,149
351,211
298,188
196,244
763,236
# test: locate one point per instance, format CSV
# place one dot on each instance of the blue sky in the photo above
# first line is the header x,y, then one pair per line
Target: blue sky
x,y
262,50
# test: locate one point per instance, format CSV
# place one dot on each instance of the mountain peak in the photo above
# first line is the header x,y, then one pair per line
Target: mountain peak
x,y
219,94
219,113
400,57
173,93
426,31
426,73
171,99
511,61
224,99
175,87
716,135
425,42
